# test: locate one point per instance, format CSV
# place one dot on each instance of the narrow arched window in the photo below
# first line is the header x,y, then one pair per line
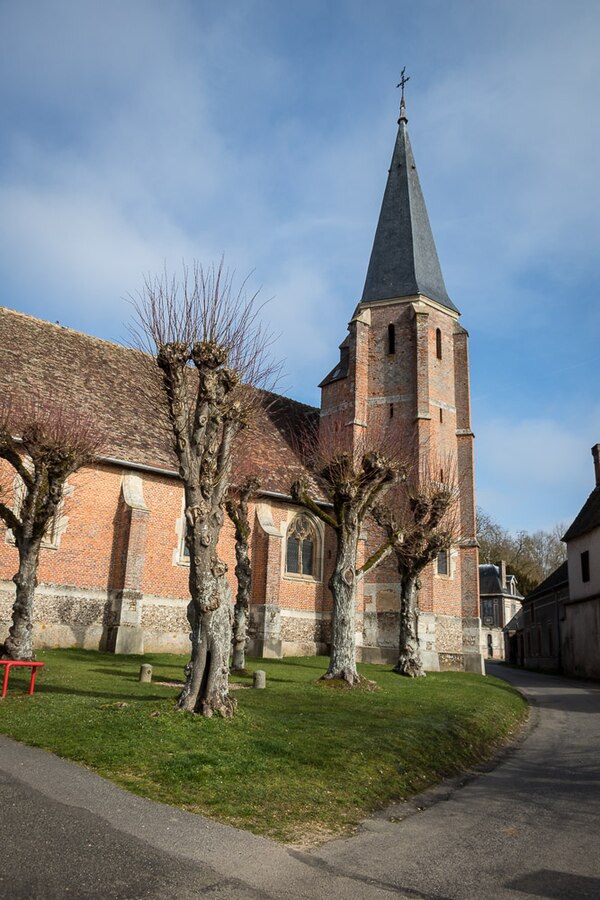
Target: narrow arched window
x,y
443,563
301,547
438,343
391,338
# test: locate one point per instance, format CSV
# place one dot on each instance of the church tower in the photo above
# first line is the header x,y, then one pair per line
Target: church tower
x,y
403,376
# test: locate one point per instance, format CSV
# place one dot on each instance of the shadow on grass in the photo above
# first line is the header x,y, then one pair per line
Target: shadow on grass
x,y
126,673
104,695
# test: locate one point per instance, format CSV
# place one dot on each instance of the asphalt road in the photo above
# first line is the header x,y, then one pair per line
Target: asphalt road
x,y
529,828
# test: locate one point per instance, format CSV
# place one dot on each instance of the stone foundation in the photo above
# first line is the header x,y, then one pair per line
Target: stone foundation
x,y
116,621
274,633
448,643
128,622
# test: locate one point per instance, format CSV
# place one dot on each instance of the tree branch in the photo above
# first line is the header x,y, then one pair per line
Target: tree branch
x,y
300,495
9,517
380,554
9,452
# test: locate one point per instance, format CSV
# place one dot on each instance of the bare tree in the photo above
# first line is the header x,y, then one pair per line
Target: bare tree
x,y
421,525
237,510
211,352
43,444
354,480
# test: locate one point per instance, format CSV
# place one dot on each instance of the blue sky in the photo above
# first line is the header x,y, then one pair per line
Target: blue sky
x,y
141,132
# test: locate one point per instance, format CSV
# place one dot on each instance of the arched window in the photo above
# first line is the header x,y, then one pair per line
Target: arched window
x,y
301,547
391,338
443,563
438,343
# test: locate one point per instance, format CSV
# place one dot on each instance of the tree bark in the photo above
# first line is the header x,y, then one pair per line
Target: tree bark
x,y
237,510
409,657
206,690
210,612
243,573
342,662
19,643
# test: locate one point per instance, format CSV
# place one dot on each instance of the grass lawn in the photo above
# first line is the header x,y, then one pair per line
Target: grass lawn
x,y
301,760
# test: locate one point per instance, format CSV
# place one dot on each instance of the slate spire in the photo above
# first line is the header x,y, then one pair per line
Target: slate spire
x,y
404,260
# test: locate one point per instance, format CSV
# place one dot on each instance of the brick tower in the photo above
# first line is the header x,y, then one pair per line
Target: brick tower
x,y
404,369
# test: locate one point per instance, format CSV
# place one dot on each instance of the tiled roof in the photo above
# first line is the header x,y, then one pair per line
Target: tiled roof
x,y
110,384
588,518
555,580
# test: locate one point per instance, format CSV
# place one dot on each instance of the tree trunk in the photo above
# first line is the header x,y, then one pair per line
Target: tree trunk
x,y
342,663
19,644
409,657
206,690
237,510
243,573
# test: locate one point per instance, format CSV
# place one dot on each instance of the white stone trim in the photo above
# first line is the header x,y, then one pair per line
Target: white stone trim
x,y
319,527
264,514
133,491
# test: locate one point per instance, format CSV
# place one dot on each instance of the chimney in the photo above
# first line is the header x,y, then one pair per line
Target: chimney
x,y
501,566
596,457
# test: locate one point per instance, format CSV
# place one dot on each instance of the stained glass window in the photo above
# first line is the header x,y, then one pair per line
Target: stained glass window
x,y
300,549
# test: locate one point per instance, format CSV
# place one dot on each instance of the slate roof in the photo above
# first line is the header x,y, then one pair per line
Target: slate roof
x,y
110,384
404,258
588,518
557,579
490,583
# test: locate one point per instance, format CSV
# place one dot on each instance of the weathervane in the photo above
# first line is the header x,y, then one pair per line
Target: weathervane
x,y
403,79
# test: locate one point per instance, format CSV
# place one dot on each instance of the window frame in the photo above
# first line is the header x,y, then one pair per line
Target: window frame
x,y
448,572
584,558
317,535
391,339
56,526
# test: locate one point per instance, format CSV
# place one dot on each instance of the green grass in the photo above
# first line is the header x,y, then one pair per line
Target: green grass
x,y
299,762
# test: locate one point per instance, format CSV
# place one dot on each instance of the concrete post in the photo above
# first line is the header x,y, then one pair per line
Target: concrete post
x,y
146,673
260,679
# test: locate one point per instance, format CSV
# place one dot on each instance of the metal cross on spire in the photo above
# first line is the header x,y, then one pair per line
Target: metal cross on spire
x,y
403,79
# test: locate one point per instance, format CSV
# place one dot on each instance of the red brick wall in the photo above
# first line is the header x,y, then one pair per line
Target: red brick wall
x,y
93,547
405,392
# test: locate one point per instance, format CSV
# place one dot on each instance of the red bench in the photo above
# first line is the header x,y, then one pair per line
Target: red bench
x,y
8,665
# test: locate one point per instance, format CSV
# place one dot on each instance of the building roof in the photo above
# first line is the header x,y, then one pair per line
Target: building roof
x,y
588,517
516,623
557,579
490,582
341,369
404,260
112,385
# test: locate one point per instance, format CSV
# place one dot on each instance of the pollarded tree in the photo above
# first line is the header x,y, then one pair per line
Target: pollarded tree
x,y
211,354
43,444
237,510
421,524
354,481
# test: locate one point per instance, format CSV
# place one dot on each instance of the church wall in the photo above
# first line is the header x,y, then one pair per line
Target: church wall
x,y
82,557
104,574
290,614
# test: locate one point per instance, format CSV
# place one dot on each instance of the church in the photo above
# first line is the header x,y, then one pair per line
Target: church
x,y
113,568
